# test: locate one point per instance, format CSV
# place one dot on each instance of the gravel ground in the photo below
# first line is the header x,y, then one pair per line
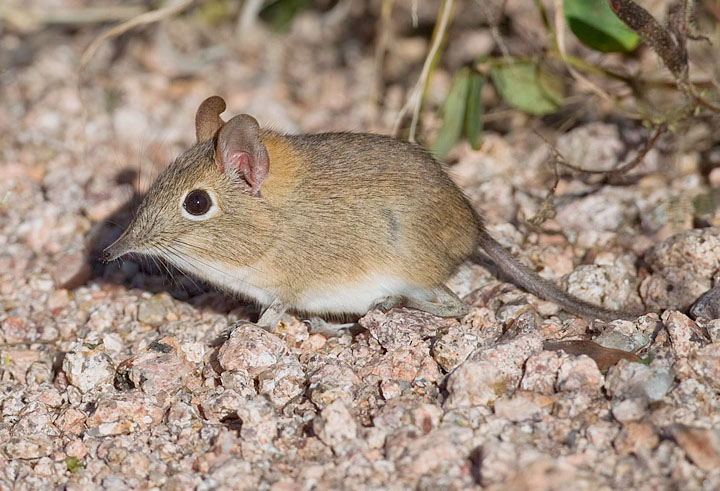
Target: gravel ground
x,y
122,377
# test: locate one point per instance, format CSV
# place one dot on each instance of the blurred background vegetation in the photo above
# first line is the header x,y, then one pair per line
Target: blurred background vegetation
x,y
469,64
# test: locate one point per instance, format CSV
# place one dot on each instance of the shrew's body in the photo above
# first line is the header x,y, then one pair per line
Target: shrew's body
x,y
331,223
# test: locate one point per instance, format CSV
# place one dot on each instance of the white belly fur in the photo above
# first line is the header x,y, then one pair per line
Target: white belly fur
x,y
358,297
326,299
237,280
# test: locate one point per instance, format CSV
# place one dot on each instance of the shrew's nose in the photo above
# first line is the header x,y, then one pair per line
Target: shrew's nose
x,y
117,249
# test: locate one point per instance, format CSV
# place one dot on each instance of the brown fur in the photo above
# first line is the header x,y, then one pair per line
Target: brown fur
x,y
360,203
207,118
335,208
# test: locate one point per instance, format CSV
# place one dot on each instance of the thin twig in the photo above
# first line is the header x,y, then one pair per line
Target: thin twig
x,y
545,18
29,20
383,39
560,39
416,95
624,168
627,167
547,207
496,18
248,16
170,9
634,80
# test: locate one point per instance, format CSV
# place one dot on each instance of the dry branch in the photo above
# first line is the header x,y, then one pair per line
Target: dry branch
x,y
172,8
31,20
414,101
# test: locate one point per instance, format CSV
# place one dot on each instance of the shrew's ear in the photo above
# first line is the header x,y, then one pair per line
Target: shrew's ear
x,y
207,118
241,154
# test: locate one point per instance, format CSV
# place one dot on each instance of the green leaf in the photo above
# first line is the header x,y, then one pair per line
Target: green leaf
x,y
213,12
73,464
474,109
281,12
596,26
453,115
524,85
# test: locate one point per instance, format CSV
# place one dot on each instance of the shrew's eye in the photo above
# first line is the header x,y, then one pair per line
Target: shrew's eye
x,y
197,202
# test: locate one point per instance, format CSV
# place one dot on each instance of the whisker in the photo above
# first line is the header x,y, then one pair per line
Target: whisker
x,y
173,280
179,256
188,265
188,276
112,222
201,251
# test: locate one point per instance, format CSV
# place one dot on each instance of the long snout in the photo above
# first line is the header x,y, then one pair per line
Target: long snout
x,y
117,249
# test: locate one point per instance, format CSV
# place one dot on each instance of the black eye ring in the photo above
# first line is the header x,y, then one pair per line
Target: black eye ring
x,y
197,202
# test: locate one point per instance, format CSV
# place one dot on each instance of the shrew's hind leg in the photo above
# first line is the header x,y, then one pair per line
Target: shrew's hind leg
x,y
448,304
272,315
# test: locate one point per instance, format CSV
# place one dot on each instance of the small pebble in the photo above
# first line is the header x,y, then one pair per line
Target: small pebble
x,y
706,364
685,335
283,381
707,307
161,368
88,367
452,346
29,447
475,383
335,424
702,445
683,266
250,348
636,438
154,310
579,374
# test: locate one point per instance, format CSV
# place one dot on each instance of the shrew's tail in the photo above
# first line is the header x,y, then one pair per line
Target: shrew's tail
x,y
543,288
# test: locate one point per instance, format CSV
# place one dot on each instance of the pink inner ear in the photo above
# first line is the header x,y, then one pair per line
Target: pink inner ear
x,y
236,163
241,154
239,164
